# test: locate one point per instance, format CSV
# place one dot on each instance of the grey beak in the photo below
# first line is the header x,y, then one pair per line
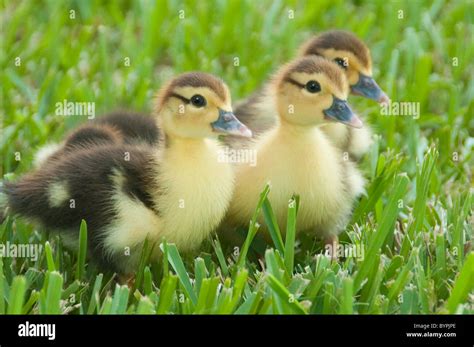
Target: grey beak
x,y
341,112
227,123
367,87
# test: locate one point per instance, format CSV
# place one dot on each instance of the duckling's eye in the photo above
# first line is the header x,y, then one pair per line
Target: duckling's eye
x,y
341,62
198,100
313,87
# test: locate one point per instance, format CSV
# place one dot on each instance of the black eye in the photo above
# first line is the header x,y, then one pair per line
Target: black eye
x,y
341,62
198,100
313,87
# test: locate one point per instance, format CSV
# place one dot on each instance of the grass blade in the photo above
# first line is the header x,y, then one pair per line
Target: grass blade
x,y
384,228
95,295
2,288
253,227
49,257
290,236
17,295
145,254
53,293
286,297
347,299
145,306
238,287
463,285
81,260
423,180
120,300
167,290
220,256
272,225
147,281
200,273
177,264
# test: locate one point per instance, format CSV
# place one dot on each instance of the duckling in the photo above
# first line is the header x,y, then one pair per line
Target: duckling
x,y
116,127
296,157
178,190
353,57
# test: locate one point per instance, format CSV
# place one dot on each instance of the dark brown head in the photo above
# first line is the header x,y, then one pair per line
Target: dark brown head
x,y
352,55
312,91
196,105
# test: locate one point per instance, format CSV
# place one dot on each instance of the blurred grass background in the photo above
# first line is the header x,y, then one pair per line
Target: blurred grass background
x,y
427,56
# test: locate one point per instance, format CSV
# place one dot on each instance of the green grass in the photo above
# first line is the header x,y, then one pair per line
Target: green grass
x,y
415,223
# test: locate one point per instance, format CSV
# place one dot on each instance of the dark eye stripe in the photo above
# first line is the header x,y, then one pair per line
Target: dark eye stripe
x,y
180,97
296,83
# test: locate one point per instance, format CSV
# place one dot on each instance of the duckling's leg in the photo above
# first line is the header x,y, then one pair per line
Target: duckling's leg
x,y
331,244
126,279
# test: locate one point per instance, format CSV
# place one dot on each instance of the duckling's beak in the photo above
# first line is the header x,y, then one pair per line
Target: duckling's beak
x,y
366,86
227,123
341,112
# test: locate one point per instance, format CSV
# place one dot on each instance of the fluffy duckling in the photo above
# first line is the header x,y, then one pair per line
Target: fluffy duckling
x,y
296,157
178,190
353,57
116,127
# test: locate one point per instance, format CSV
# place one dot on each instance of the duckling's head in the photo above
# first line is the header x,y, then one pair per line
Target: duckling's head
x,y
197,105
353,57
313,91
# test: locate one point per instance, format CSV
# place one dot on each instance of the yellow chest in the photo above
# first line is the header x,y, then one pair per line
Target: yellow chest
x,y
198,191
337,133
305,164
